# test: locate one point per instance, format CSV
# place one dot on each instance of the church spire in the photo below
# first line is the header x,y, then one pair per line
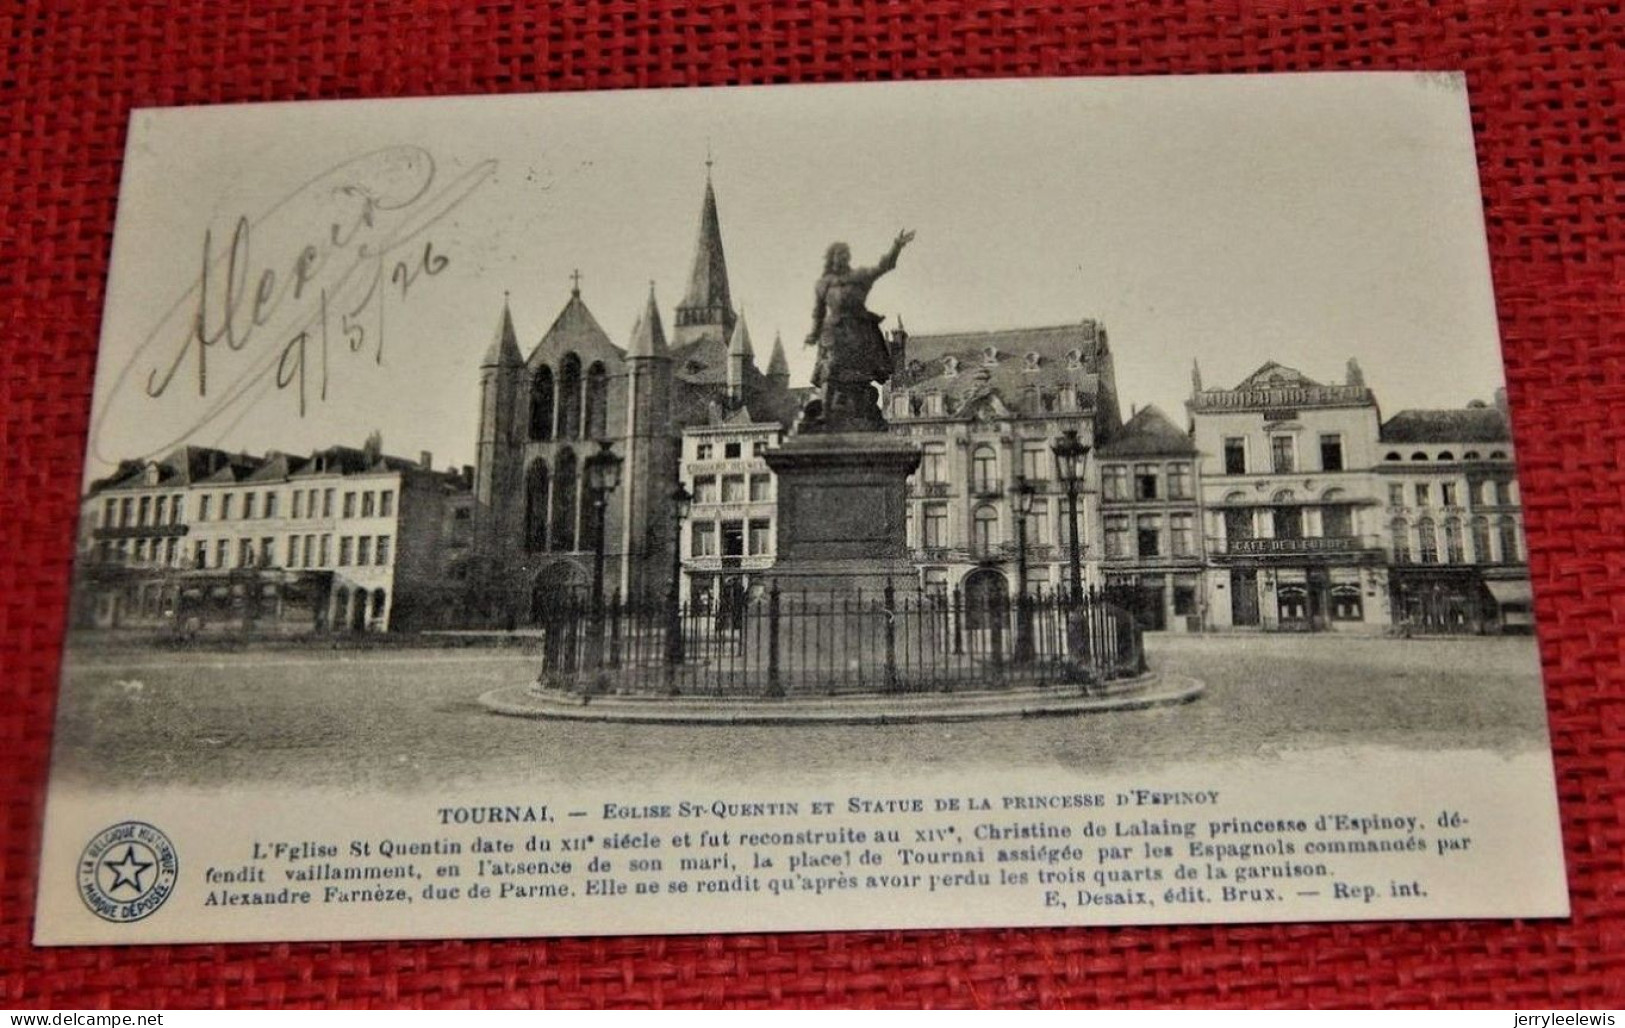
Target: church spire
x,y
707,305
777,365
648,337
504,351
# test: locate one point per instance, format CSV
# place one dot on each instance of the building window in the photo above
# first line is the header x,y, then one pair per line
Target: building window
x,y
1288,522
386,503
1179,481
344,551
705,489
936,525
1346,603
1337,522
934,462
1283,459
1034,460
936,582
140,551
368,501
1454,552
733,538
268,552
349,505
1113,482
1399,534
110,514
702,451
760,488
705,539
159,509
310,551
270,505
248,506
1424,495
1503,493
126,509
1145,481
292,558
170,548
176,505
1427,542
298,496
1184,600
200,555
1448,493
731,451
1235,455
363,550
324,555
1182,532
1116,536
382,553
203,505
327,503
985,529
1038,523
758,447
222,553
761,537
225,507
733,489
1331,453
1509,541
143,510
245,553
985,470
1148,532
1396,495
1481,540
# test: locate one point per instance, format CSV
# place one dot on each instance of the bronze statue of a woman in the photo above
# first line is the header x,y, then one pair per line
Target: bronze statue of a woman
x,y
853,355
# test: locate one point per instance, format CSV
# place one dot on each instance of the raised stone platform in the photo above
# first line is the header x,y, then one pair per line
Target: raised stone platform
x,y
1129,694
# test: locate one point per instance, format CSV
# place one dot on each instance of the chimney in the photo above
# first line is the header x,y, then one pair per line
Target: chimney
x,y
426,460
468,473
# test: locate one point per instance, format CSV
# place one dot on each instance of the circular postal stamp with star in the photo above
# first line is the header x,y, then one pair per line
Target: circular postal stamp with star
x,y
127,871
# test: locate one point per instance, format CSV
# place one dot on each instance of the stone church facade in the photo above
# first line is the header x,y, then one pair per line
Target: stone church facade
x,y
543,413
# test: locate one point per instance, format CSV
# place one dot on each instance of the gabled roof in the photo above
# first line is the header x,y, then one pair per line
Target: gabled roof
x,y
1460,425
275,468
576,331
1149,433
1019,365
1271,374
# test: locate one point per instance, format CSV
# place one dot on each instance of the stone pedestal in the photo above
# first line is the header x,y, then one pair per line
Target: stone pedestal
x,y
842,512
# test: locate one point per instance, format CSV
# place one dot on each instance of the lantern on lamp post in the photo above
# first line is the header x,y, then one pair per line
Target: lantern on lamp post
x,y
603,477
1071,453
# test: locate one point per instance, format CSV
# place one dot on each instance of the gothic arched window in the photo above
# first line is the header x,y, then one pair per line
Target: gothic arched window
x,y
564,501
1509,540
570,397
597,402
536,507
541,404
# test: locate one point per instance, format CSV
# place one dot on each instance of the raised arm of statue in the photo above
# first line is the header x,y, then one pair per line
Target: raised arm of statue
x,y
888,260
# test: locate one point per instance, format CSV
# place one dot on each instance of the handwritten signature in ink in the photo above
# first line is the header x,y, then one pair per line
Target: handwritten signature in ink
x,y
277,305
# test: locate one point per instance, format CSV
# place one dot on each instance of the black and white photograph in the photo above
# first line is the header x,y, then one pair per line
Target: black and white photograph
x,y
782,508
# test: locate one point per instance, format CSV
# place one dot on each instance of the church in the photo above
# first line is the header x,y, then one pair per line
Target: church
x,y
544,412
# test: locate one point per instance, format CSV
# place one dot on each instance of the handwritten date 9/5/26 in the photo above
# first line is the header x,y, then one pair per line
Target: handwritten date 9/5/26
x,y
299,283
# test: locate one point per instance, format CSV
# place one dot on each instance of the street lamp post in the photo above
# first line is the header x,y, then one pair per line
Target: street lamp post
x,y
1023,493
1070,454
603,476
681,501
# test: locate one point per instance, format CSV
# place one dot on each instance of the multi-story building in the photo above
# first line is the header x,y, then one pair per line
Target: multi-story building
x,y
345,538
1290,501
1454,520
544,414
985,408
1151,531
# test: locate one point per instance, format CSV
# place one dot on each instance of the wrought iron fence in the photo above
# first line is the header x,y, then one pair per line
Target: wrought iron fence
x,y
773,643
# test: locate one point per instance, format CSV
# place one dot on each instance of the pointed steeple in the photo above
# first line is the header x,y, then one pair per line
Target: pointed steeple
x,y
777,366
740,356
1196,378
739,344
648,336
707,305
504,351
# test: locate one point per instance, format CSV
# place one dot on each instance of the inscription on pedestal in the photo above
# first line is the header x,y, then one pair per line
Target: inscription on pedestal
x,y
842,513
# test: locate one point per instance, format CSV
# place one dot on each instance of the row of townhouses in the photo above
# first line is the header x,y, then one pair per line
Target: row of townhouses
x,y
1281,503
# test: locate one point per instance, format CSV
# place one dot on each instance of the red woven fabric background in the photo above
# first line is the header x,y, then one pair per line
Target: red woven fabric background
x,y
1547,82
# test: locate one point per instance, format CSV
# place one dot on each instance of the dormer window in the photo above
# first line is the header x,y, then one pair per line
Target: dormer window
x,y
990,355
950,366
1030,362
1074,360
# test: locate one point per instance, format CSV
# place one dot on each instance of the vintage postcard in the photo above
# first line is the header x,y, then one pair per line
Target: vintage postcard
x,y
1012,503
